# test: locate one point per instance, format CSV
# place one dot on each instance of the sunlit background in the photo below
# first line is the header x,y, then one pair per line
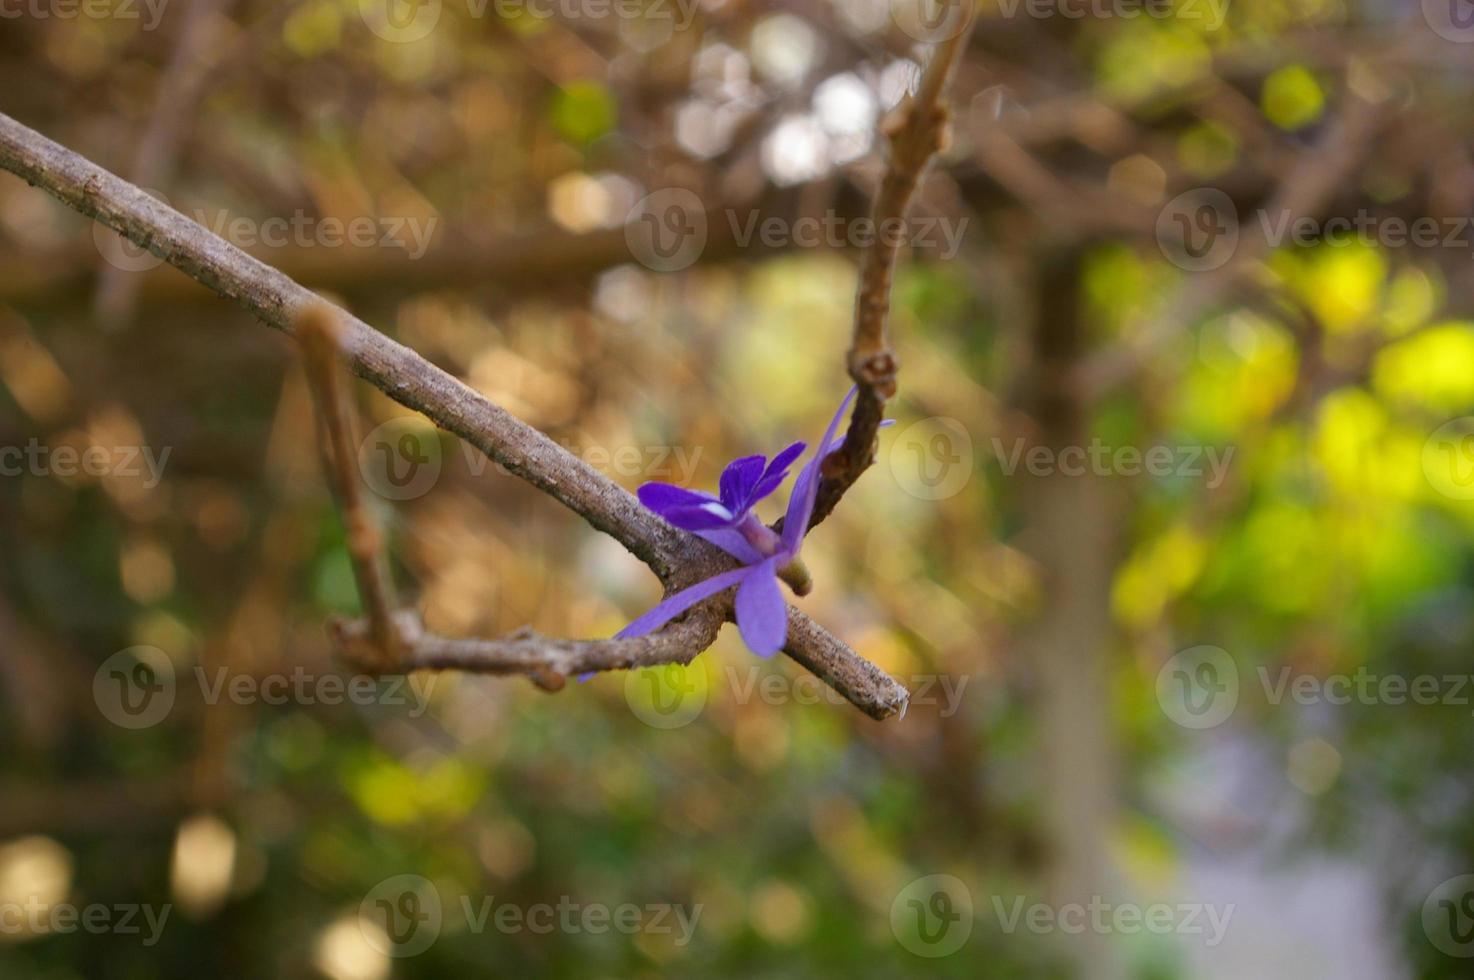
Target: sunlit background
x,y
1171,542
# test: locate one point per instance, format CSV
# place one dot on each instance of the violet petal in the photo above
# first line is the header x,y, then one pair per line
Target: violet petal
x,y
738,479
730,540
762,615
680,602
806,487
776,473
661,497
705,517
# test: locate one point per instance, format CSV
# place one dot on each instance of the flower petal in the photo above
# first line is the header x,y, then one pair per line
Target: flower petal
x,y
762,615
806,487
730,540
776,473
738,479
680,602
702,518
661,497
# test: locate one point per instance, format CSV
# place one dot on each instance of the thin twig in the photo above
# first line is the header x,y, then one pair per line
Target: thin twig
x,y
918,130
317,332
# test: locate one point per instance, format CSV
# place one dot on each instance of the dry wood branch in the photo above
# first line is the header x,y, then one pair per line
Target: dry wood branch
x,y
396,370
547,661
917,130
677,558
317,332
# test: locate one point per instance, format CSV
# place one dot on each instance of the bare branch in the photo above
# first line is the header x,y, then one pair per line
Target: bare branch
x,y
317,332
677,558
918,130
396,370
548,661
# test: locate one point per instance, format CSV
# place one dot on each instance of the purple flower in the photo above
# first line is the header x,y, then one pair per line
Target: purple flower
x,y
728,522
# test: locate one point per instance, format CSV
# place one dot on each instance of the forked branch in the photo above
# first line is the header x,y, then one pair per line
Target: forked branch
x,y
396,640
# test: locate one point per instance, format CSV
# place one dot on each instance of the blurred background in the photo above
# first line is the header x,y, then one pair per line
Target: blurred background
x,y
1172,542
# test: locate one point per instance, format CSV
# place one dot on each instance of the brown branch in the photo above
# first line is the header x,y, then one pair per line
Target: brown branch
x,y
180,91
918,130
317,332
546,660
677,558
396,370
